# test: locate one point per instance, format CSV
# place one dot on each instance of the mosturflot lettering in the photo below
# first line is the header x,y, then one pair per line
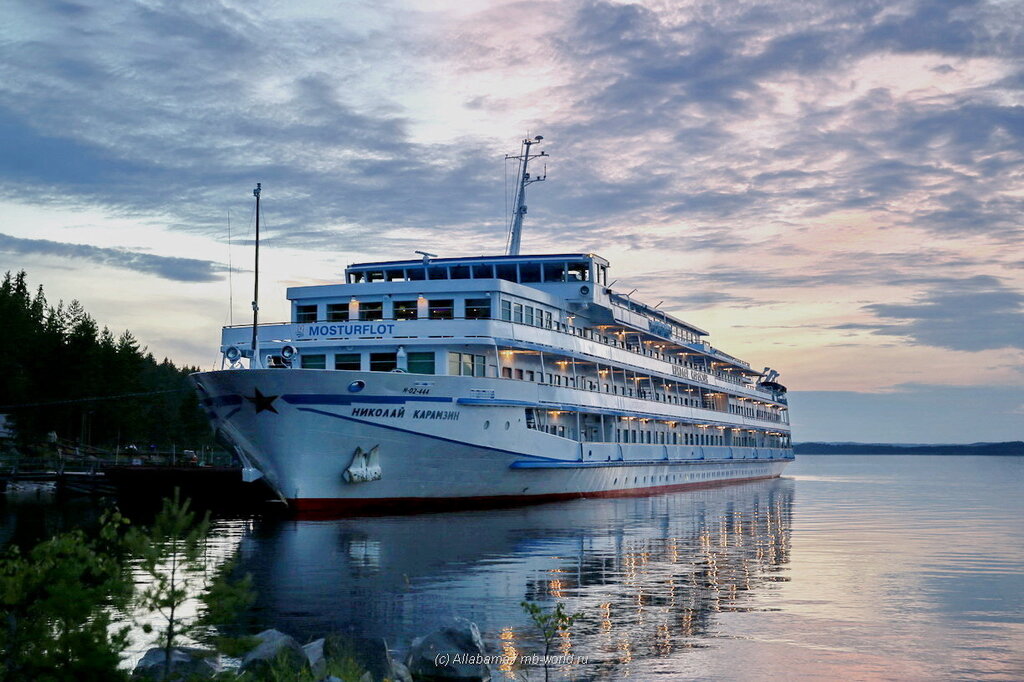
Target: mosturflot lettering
x,y
351,329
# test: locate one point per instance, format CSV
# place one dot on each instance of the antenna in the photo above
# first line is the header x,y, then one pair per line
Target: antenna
x,y
256,281
515,231
427,256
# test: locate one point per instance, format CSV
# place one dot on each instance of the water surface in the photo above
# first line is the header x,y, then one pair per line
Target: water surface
x,y
849,567
873,567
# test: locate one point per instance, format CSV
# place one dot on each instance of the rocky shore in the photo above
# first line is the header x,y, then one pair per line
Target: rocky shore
x,y
455,651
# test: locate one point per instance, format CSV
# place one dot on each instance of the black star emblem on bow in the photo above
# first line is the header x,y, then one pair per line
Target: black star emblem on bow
x,y
262,402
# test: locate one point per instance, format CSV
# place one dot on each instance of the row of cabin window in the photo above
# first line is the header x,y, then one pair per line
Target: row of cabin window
x,y
371,311
526,314
667,438
459,364
512,272
417,362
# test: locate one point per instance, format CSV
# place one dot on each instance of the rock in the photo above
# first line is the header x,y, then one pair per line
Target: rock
x,y
437,656
273,644
186,663
315,656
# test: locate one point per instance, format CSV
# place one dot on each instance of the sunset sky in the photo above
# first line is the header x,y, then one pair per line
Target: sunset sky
x,y
835,189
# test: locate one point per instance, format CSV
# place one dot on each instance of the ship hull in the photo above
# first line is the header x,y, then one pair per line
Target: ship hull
x,y
339,441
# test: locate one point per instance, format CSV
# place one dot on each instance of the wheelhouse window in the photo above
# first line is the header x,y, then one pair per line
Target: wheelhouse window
x,y
517,312
371,310
442,309
478,308
383,362
459,272
529,272
420,362
507,272
528,317
506,310
337,312
437,272
483,271
350,361
305,313
579,272
554,272
405,310
313,361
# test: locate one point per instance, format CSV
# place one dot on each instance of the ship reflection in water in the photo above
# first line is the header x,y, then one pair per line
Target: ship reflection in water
x,y
652,575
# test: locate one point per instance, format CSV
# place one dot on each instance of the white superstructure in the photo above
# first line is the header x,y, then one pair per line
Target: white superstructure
x,y
492,378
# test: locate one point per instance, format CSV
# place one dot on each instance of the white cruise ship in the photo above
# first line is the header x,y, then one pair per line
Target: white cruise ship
x,y
487,380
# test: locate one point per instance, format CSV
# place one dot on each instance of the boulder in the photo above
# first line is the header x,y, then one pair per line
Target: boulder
x,y
454,651
315,656
273,644
399,673
186,663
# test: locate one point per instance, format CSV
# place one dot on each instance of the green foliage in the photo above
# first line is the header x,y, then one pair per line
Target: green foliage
x,y
55,602
549,623
170,553
59,353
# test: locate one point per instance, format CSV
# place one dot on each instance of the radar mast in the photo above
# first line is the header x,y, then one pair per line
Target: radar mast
x,y
515,232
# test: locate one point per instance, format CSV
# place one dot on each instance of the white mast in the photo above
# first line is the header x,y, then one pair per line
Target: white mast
x,y
515,233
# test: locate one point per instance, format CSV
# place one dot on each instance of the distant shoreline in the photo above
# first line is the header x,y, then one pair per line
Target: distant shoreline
x,y
1008,449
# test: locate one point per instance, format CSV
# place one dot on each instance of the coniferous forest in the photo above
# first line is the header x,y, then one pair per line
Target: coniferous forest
x,y
63,373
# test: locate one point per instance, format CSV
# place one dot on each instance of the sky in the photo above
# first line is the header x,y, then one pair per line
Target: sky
x,y
834,189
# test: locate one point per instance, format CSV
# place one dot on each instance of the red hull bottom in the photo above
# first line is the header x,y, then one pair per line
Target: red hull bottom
x,y
320,507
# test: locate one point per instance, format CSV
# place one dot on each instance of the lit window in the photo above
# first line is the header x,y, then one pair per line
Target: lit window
x,y
371,310
441,309
405,310
478,308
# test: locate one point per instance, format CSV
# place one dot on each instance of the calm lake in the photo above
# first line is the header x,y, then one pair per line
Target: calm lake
x,y
849,567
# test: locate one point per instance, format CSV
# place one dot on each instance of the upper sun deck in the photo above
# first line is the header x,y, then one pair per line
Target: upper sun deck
x,y
538,269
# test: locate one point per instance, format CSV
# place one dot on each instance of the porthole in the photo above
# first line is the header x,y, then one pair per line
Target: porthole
x,y
356,386
508,425
487,424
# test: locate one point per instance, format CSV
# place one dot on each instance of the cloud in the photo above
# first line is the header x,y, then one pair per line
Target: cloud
x,y
166,267
972,314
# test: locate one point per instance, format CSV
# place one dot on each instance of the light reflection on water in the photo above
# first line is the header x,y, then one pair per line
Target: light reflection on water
x,y
852,567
